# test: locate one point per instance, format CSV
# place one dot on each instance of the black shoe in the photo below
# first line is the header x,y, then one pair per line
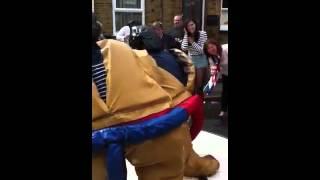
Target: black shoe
x,y
203,178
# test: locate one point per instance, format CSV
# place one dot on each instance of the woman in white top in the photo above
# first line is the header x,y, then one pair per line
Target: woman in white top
x,y
224,72
193,42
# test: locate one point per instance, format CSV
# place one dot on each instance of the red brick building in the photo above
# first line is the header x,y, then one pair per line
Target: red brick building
x,y
212,15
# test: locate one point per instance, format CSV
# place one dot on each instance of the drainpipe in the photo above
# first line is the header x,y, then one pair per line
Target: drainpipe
x,y
92,5
203,14
161,14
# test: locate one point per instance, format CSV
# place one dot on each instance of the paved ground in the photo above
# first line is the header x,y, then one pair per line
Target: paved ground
x,y
213,123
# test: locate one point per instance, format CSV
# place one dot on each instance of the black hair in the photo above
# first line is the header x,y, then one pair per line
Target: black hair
x,y
196,34
133,23
96,29
147,39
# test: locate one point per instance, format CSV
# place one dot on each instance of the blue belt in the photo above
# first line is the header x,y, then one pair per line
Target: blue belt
x,y
114,139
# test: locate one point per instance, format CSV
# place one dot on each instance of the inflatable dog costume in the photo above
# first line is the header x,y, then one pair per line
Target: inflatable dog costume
x,y
144,119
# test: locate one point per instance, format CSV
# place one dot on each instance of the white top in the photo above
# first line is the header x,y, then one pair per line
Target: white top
x,y
205,143
224,60
123,34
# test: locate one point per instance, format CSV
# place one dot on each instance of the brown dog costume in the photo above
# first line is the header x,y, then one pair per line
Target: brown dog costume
x,y
138,88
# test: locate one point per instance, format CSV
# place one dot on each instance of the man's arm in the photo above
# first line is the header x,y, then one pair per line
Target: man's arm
x,y
123,34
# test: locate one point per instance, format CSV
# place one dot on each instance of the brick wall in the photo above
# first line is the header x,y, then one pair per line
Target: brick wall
x,y
152,11
170,9
103,10
163,10
212,8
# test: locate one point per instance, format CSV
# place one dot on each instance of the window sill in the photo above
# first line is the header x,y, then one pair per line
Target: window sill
x,y
223,27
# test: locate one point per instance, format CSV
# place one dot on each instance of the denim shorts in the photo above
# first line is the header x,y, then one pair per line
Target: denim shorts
x,y
199,61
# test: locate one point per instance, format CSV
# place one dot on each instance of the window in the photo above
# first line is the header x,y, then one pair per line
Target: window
x,y
224,16
126,10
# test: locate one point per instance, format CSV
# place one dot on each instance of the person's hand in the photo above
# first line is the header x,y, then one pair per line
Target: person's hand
x,y
190,40
213,70
126,38
221,68
185,31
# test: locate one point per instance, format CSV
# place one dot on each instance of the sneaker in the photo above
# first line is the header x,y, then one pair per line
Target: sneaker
x,y
221,114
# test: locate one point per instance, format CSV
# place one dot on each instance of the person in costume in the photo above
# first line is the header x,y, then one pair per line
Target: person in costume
x,y
143,118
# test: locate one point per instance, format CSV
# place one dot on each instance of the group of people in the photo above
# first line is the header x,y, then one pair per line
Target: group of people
x,y
209,57
125,126
139,108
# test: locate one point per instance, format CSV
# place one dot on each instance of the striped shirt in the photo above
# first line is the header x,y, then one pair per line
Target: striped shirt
x,y
99,77
196,48
99,73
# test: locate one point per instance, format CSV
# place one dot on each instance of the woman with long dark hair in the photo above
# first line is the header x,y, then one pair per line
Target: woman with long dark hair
x,y
213,50
193,42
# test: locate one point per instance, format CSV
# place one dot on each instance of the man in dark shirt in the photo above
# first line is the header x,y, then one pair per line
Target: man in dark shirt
x,y
177,31
168,42
167,61
151,42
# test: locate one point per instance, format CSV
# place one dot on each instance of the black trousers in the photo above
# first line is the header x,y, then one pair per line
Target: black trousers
x,y
224,98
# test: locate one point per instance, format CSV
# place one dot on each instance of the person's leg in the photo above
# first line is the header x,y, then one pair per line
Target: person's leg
x,y
224,98
206,76
99,167
196,166
160,158
160,171
199,81
201,67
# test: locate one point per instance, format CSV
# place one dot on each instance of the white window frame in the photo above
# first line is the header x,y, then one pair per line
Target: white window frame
x,y
223,27
115,9
92,5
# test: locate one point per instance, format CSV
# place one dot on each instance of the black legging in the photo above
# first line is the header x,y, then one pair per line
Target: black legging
x,y
201,80
224,98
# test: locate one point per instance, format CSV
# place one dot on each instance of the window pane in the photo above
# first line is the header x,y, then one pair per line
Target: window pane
x,y
225,4
122,18
224,17
129,4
